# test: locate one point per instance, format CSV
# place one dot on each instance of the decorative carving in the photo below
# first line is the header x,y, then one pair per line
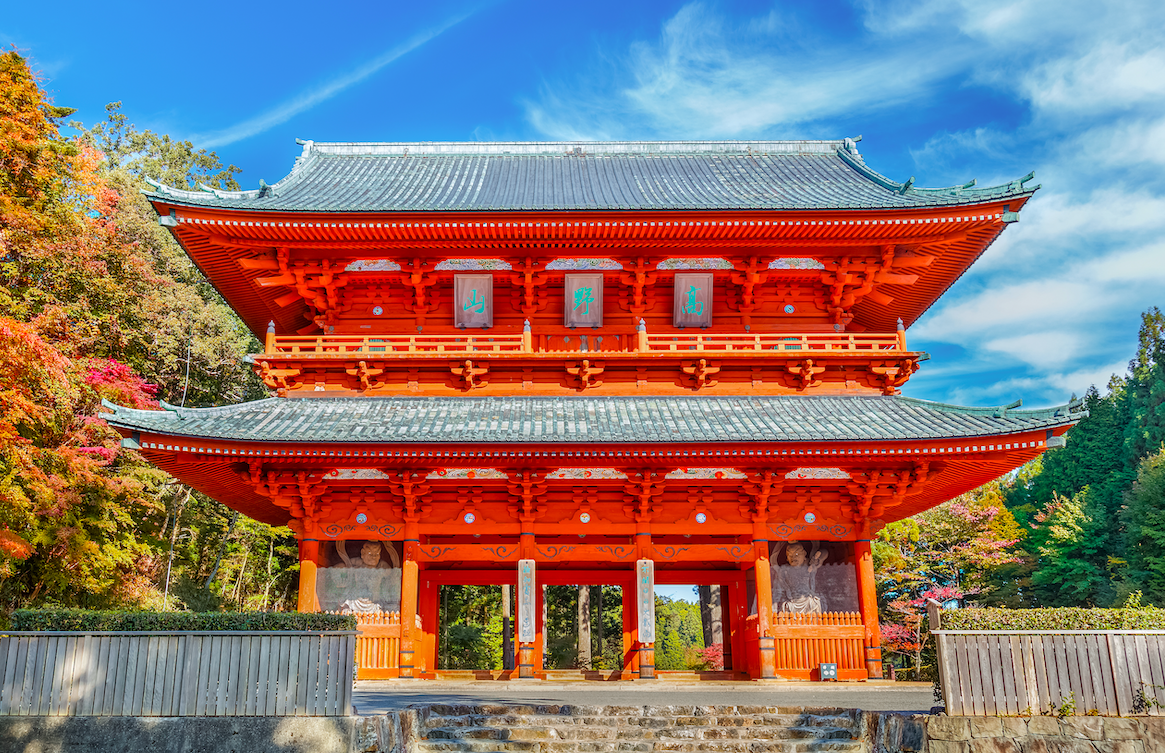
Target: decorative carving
x,y
279,379
751,273
700,373
805,373
527,279
637,277
471,376
893,376
586,374
364,376
419,280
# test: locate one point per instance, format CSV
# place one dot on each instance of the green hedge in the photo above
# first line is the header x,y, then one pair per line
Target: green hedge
x,y
83,619
1064,618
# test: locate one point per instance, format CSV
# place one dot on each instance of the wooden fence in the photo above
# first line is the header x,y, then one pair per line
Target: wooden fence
x,y
378,645
1011,672
213,673
803,641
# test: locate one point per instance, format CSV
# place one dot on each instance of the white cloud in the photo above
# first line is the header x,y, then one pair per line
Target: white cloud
x,y
308,99
706,77
1053,305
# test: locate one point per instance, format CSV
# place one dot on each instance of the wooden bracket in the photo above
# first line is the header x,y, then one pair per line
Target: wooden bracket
x,y
700,373
585,373
471,376
805,373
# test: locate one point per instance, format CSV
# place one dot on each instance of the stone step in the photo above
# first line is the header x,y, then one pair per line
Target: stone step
x,y
722,723
602,732
681,716
641,746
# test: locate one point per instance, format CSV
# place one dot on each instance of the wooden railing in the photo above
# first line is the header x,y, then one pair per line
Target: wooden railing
x,y
220,673
383,345
803,641
373,346
378,645
827,342
1010,672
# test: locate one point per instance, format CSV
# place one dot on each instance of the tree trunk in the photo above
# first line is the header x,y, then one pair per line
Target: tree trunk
x,y
222,547
584,627
507,631
599,624
711,615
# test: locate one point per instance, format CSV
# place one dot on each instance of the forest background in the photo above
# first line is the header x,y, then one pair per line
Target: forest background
x,y
98,301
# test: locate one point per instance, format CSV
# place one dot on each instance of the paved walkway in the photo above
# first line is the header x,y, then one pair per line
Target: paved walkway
x,y
378,697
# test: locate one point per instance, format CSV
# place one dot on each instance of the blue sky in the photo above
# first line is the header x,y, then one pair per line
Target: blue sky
x,y
944,90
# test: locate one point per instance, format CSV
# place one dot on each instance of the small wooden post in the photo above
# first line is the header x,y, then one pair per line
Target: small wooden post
x,y
641,337
868,601
527,338
901,335
309,553
410,572
764,608
269,342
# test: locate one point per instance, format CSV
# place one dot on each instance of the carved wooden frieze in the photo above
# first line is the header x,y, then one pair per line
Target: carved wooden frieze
x,y
473,301
692,306
583,300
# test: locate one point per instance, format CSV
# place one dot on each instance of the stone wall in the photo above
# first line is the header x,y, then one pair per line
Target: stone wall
x,y
897,733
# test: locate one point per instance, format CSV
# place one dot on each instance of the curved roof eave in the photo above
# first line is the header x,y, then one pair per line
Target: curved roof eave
x,y
731,172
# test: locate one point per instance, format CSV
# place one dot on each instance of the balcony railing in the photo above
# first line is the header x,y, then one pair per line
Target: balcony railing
x,y
753,343
350,346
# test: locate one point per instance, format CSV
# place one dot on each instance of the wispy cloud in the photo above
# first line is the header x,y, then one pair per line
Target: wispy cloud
x,y
310,98
1055,302
709,76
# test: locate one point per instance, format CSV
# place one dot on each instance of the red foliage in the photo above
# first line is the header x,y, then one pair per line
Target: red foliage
x,y
13,546
119,384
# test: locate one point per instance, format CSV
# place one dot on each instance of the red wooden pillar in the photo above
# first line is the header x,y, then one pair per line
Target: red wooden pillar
x,y
766,645
737,610
868,602
309,554
410,571
540,628
630,632
430,609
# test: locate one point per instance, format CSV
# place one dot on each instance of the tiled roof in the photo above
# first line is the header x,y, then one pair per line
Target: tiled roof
x,y
647,175
587,419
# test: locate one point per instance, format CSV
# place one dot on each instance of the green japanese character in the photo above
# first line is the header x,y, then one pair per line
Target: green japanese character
x,y
584,299
692,307
473,304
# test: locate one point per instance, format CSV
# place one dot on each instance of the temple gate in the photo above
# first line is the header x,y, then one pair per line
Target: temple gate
x,y
627,364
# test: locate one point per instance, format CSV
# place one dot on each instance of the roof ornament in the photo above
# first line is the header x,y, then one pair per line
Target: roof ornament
x,y
169,220
906,186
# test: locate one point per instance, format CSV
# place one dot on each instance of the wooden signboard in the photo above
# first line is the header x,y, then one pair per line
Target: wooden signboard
x,y
645,599
692,299
527,627
583,300
473,301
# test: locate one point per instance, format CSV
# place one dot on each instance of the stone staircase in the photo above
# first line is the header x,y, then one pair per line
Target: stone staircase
x,y
634,729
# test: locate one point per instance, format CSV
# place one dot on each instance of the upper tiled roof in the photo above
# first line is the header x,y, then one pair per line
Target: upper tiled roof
x,y
645,175
461,420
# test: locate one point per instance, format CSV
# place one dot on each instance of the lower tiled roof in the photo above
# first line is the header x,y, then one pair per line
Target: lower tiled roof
x,y
461,420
